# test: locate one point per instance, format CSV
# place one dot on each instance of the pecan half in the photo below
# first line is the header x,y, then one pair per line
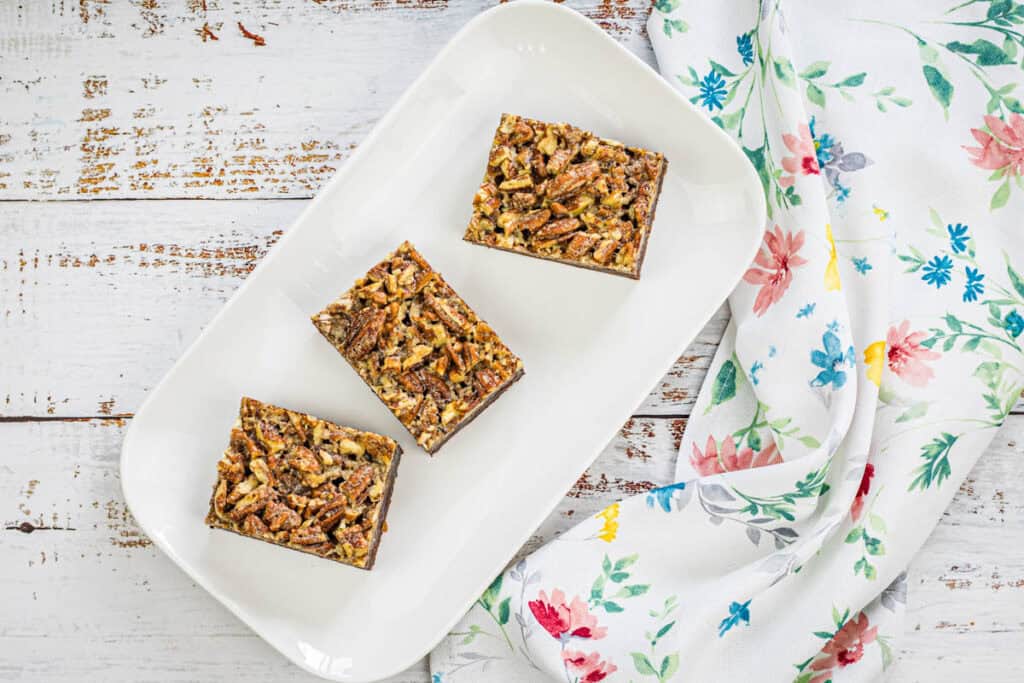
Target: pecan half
x,y
557,228
310,535
366,337
447,313
573,178
511,221
580,244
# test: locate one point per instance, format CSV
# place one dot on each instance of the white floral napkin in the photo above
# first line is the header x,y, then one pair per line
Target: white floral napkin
x,y
874,350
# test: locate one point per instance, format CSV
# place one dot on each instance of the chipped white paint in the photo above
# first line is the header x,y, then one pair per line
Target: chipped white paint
x,y
167,267
95,601
150,98
159,100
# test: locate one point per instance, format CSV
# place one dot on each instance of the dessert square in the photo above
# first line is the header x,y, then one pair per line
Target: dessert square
x,y
557,192
432,361
304,483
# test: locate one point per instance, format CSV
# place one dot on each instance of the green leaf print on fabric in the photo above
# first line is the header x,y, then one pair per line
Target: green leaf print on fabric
x,y
975,50
661,667
724,387
936,468
676,25
611,586
986,53
868,530
495,607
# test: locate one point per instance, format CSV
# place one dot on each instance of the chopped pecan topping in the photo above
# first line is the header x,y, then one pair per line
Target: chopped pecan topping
x,y
422,361
564,194
306,479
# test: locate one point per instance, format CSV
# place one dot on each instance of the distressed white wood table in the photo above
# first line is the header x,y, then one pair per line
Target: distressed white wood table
x,y
150,153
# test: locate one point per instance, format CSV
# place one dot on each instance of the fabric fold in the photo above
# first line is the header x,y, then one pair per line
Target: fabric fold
x,y
873,352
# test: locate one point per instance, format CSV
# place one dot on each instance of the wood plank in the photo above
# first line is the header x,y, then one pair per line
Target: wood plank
x,y
167,267
201,110
96,599
115,291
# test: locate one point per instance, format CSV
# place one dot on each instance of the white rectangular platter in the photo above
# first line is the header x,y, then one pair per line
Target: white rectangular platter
x,y
593,344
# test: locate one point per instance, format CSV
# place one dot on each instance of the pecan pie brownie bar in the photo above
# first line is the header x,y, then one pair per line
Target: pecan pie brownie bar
x,y
557,192
300,482
419,346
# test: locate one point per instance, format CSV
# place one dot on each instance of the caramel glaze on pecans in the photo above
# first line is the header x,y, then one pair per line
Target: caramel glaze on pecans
x,y
304,483
416,343
557,192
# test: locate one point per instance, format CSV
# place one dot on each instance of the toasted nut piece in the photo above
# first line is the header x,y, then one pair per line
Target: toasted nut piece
x,y
418,355
499,155
260,469
617,199
559,160
254,526
310,535
252,502
450,413
232,471
428,415
279,516
269,437
605,250
512,221
448,314
303,460
355,486
220,495
573,178
580,244
521,133
366,337
508,123
578,204
523,200
333,511
350,447
548,143
410,381
487,379
556,228
517,183
487,200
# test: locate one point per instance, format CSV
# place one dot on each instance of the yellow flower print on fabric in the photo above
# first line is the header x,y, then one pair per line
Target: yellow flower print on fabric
x,y
610,527
880,212
832,269
874,359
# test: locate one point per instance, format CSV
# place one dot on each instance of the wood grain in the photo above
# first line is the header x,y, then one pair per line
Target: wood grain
x,y
205,99
95,600
153,99
116,291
